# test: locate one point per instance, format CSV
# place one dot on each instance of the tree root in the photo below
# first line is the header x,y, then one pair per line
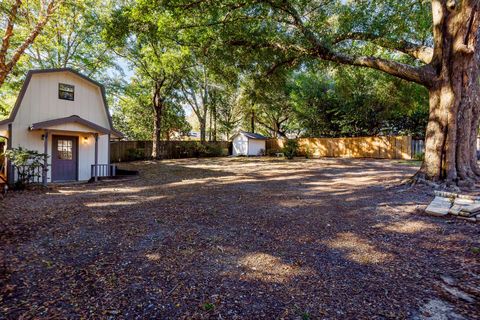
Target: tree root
x,y
457,185
420,179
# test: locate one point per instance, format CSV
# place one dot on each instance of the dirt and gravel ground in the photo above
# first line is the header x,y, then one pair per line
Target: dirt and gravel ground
x,y
237,238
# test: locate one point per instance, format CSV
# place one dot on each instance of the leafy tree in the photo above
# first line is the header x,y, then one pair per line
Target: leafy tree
x,y
315,103
345,101
21,22
267,99
73,38
228,110
134,115
138,35
195,89
445,61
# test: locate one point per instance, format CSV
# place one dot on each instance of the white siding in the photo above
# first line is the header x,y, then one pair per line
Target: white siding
x,y
256,147
32,140
244,146
240,145
41,103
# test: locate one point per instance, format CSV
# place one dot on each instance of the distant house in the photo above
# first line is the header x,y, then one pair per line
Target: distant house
x,y
248,144
64,114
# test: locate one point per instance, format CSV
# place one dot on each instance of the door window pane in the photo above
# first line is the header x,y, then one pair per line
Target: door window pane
x,y
64,148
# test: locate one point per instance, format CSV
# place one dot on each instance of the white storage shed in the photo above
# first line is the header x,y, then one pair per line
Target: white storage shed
x,y
248,144
64,114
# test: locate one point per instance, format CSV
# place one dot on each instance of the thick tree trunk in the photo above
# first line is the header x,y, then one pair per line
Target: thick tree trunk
x,y
277,125
252,122
210,126
450,146
214,132
157,130
450,149
203,129
157,125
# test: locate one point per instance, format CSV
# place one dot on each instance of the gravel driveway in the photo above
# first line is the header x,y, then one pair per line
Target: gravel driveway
x,y
238,238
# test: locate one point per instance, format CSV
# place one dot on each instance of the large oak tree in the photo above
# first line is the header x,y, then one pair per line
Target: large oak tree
x,y
432,43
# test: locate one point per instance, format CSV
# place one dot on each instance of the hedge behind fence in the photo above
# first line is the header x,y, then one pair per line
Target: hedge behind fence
x,y
142,150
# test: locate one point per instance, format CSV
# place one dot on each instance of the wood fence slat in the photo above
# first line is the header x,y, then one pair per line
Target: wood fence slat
x,y
392,147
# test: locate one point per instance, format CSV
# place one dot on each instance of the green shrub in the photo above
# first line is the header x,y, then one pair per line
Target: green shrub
x,y
290,148
273,152
207,149
308,153
133,154
214,150
199,149
420,156
208,306
29,165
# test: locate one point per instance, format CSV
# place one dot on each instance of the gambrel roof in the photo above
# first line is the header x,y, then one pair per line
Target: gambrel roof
x,y
18,102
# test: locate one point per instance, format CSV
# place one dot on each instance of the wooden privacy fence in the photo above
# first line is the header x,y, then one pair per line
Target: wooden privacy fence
x,y
395,147
140,150
130,150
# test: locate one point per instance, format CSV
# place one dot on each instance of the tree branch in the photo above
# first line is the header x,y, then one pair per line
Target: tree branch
x,y
52,7
419,75
420,52
422,75
9,31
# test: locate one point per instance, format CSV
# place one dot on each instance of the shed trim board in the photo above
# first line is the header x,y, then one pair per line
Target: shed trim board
x,y
83,131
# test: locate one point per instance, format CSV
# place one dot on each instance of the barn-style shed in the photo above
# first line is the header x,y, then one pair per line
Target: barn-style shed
x,y
248,144
64,114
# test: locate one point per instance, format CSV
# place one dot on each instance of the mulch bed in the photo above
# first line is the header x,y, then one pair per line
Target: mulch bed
x,y
237,238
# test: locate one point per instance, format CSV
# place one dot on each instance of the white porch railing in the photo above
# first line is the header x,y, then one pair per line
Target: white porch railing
x,y
103,170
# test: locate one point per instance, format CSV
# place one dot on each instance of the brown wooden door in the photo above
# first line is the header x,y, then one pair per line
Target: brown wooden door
x,y
64,158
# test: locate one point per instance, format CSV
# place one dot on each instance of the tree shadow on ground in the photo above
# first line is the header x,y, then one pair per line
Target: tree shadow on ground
x,y
255,239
